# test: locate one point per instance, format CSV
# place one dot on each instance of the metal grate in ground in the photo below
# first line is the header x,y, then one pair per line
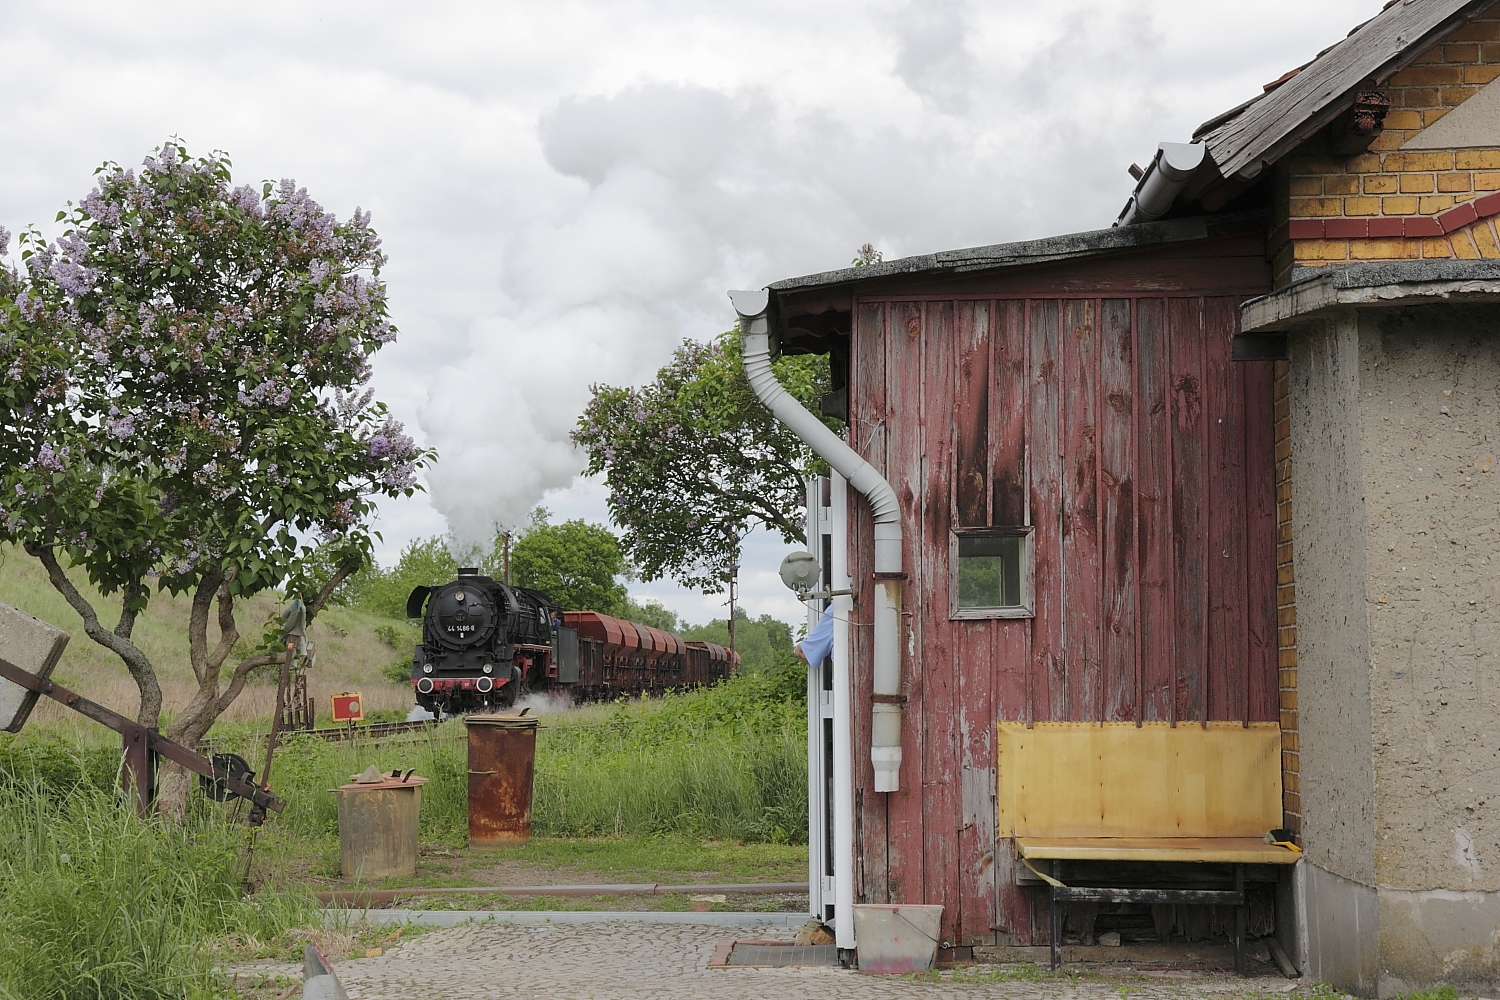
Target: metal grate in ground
x,y
780,955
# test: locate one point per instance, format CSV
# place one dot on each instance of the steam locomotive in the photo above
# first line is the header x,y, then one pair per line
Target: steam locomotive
x,y
485,644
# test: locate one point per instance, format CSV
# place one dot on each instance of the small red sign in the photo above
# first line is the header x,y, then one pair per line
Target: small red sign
x,y
348,707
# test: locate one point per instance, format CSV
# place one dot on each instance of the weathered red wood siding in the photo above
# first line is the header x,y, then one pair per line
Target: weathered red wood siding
x,y
1117,426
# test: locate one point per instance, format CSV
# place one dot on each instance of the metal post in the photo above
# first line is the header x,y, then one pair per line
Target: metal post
x,y
1239,920
281,690
1057,918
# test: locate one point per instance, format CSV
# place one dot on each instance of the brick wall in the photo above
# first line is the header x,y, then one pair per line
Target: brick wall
x,y
1384,204
1286,606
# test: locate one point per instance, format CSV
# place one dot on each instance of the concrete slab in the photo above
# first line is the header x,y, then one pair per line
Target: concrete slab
x,y
452,918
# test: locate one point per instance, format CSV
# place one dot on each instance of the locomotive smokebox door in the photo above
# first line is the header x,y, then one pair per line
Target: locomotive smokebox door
x,y
565,654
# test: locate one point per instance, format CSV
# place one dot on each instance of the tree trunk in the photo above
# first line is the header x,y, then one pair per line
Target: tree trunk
x,y
194,722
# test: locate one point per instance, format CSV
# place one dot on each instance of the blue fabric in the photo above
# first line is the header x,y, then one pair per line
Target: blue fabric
x,y
819,642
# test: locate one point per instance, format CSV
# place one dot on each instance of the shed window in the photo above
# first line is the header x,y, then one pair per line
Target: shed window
x,y
991,573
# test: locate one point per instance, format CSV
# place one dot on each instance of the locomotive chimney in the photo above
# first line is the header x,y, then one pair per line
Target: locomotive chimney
x,y
755,347
468,571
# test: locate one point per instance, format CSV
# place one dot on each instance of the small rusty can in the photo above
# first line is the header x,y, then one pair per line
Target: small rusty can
x,y
378,826
502,766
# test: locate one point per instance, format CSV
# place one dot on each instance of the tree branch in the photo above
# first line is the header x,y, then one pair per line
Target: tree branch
x,y
229,632
240,676
198,622
126,624
344,572
135,661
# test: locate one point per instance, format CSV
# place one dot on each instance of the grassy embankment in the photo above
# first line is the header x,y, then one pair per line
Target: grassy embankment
x,y
350,650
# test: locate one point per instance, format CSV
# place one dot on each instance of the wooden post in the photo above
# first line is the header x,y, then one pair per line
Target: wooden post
x,y
505,571
136,776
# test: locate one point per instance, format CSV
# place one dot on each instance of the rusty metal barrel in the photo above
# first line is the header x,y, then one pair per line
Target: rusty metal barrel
x,y
378,826
502,766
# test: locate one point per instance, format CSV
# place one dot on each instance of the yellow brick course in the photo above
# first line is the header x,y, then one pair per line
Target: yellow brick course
x,y
1340,184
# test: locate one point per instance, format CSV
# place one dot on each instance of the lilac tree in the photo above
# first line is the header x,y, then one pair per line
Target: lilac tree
x,y
694,461
184,407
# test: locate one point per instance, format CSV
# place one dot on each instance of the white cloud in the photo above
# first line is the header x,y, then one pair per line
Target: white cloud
x,y
567,189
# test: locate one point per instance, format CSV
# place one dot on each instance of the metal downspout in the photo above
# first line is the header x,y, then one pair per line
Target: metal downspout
x,y
755,347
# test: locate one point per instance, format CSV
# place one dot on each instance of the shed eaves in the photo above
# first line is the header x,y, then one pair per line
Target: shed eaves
x,y
1027,252
1271,125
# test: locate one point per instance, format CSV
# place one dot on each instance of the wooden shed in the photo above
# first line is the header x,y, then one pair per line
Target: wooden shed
x,y
1080,393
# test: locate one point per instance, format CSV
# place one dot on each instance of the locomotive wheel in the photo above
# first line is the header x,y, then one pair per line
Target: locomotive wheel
x,y
512,691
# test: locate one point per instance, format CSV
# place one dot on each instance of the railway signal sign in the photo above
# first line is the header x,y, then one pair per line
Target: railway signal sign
x,y
348,707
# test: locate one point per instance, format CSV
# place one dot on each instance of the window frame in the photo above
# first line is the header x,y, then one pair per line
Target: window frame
x,y
1027,607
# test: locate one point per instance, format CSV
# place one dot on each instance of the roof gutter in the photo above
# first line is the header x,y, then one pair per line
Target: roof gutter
x,y
1163,180
754,308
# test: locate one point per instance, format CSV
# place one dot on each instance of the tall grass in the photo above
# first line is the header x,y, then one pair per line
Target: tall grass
x,y
96,903
726,762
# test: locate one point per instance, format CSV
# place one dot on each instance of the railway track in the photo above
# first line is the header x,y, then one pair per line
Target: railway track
x,y
338,734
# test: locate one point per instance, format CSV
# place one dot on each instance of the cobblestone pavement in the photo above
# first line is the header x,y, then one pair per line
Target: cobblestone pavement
x,y
572,962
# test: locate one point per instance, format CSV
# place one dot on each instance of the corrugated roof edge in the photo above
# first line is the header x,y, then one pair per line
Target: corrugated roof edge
x,y
1041,251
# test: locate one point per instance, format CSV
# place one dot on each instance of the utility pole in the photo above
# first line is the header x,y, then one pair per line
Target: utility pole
x,y
733,576
734,569
505,571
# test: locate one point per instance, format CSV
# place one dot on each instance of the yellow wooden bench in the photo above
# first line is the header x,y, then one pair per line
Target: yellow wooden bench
x,y
1118,792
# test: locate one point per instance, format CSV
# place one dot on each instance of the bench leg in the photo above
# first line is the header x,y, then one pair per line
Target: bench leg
x,y
1240,914
1057,915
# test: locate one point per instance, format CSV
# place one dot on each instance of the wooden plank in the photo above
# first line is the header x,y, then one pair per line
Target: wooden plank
x,y
1225,402
1121,682
1154,512
1082,568
975,645
1189,512
1049,693
1260,542
868,419
971,419
1013,906
1080,779
906,380
1221,850
975,649
938,790
1007,437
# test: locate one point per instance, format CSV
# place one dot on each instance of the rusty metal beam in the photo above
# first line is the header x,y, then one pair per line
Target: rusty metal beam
x,y
140,742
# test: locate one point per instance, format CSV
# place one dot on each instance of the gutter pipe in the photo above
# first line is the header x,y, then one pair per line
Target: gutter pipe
x,y
753,308
1162,181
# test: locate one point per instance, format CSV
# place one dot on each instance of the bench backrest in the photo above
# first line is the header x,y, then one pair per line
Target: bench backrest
x,y
1082,779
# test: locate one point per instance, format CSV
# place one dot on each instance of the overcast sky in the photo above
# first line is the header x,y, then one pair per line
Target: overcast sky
x,y
566,190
